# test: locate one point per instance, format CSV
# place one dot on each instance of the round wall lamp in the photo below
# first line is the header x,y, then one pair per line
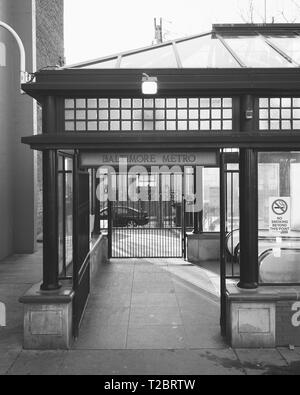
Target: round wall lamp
x,y
149,85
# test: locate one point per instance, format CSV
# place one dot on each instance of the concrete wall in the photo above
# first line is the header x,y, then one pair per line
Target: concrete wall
x,y
17,203
49,32
24,163
6,93
40,26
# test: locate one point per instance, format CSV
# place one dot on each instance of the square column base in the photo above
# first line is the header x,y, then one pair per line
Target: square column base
x,y
264,318
48,318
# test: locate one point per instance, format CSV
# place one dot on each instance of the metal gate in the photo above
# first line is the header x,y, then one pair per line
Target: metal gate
x,y
81,244
229,225
151,227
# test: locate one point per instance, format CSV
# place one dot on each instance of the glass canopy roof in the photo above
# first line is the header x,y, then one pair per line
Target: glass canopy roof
x,y
226,46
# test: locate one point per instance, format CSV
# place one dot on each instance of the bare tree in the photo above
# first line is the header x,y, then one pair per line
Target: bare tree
x,y
247,15
289,12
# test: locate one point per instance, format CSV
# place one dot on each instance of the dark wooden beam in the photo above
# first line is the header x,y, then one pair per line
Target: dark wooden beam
x,y
165,141
173,82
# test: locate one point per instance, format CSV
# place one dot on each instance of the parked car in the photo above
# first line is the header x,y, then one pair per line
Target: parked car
x,y
125,216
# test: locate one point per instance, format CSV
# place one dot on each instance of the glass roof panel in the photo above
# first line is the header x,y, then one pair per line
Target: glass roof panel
x,y
288,44
162,57
108,64
205,52
254,52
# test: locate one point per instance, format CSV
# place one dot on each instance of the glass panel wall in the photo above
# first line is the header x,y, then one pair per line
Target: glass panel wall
x,y
159,114
162,57
211,200
255,52
279,217
108,64
203,52
288,44
279,113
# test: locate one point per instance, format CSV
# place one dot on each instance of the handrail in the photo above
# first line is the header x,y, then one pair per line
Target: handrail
x,y
233,254
24,76
269,251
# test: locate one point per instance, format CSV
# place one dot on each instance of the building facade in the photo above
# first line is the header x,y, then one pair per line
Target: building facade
x,y
39,23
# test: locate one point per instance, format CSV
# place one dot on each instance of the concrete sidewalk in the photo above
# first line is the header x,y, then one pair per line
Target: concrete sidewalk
x,y
144,317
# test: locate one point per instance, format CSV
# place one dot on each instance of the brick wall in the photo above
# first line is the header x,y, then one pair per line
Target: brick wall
x,y
50,52
50,32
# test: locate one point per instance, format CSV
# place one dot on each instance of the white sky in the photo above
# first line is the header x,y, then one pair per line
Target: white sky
x,y
96,28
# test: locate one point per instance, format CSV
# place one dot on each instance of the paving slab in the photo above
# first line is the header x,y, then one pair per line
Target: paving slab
x,y
7,358
262,361
37,363
292,357
154,287
101,337
106,315
150,268
155,315
154,299
156,337
151,362
204,336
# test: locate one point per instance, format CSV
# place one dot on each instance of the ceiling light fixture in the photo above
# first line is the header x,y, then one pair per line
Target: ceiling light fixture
x,y
149,85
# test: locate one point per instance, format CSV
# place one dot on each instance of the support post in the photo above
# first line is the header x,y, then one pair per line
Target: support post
x,y
49,115
50,222
248,219
50,202
248,202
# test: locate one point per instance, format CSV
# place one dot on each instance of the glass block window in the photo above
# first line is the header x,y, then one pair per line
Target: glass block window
x,y
279,113
148,114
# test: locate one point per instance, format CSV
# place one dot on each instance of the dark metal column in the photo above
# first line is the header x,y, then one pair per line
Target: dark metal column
x,y
248,201
50,222
49,115
50,202
248,219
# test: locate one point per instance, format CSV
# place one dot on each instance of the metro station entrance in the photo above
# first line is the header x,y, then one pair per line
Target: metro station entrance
x,y
155,212
223,129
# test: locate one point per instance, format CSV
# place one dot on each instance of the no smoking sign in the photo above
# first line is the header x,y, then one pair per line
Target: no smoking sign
x,y
280,207
279,215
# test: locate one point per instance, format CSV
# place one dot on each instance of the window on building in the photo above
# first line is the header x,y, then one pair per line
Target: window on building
x,y
279,113
159,114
